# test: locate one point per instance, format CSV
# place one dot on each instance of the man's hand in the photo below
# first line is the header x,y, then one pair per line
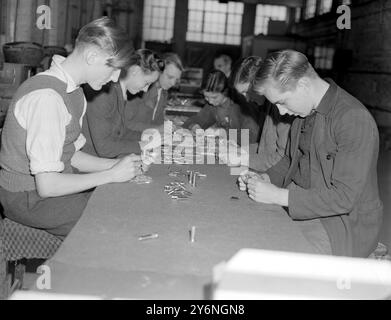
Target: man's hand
x,y
148,158
126,169
246,175
241,180
263,191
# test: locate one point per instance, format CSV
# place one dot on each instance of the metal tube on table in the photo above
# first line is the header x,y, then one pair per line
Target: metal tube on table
x,y
194,180
192,234
148,237
191,175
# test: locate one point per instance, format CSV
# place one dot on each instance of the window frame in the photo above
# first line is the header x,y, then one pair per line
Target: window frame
x,y
204,34
325,58
314,13
267,18
168,24
322,7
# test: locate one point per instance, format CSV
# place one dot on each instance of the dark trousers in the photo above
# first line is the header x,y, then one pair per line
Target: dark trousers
x,y
55,215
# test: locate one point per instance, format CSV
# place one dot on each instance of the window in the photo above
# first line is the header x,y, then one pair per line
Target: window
x,y
310,9
298,15
158,20
3,17
211,21
265,13
324,58
325,6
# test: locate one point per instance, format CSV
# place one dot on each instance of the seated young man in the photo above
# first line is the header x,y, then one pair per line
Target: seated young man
x,y
104,125
42,138
148,111
327,179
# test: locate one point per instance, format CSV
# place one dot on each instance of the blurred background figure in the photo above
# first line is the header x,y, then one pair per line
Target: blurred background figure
x,y
220,111
147,111
223,62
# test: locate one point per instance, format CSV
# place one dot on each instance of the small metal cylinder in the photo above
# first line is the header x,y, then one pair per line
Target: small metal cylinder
x,y
148,237
191,175
194,180
192,234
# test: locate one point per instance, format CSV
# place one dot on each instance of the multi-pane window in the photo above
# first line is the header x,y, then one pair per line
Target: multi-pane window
x,y
310,9
266,13
298,15
211,21
325,6
324,58
158,20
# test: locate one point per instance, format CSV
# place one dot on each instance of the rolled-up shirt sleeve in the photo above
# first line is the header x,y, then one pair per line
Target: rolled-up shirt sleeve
x,y
44,116
80,142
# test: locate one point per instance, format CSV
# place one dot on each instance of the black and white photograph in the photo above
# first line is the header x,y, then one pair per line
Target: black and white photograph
x,y
195,155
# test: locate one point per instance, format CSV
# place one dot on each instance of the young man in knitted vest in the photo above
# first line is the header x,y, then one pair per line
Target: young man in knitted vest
x,y
41,140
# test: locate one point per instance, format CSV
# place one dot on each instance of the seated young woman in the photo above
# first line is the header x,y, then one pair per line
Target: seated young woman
x,y
104,125
220,111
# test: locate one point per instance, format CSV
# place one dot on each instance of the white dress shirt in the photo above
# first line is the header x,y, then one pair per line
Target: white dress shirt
x,y
43,114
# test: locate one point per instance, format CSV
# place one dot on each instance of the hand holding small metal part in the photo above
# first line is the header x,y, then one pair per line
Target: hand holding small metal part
x,y
247,175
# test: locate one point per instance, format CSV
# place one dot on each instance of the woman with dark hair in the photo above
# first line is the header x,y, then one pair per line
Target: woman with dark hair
x,y
219,111
147,112
104,125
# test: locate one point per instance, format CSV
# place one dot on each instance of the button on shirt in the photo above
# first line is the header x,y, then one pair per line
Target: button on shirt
x,y
302,177
44,116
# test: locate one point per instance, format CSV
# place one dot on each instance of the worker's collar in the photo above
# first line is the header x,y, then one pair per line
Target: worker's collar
x,y
122,87
57,70
329,99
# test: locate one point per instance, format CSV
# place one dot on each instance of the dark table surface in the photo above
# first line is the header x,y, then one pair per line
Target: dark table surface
x,y
103,257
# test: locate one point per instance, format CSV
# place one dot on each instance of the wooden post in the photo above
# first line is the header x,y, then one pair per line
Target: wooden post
x,y
180,27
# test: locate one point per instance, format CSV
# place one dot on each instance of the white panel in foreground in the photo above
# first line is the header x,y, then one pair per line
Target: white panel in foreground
x,y
258,274
35,295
